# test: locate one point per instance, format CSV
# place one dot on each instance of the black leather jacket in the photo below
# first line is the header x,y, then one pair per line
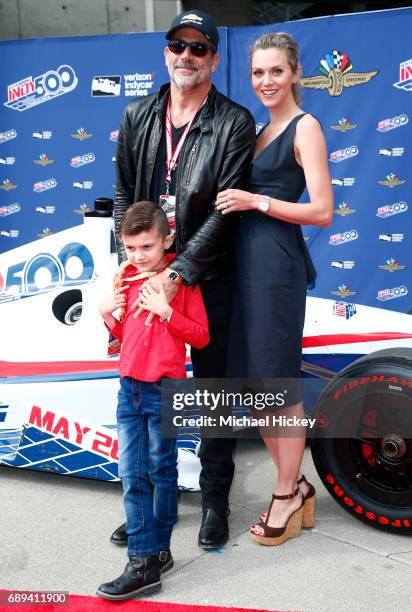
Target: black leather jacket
x,y
215,156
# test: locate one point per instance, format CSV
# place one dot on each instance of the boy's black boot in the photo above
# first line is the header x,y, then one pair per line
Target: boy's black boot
x,y
140,577
165,560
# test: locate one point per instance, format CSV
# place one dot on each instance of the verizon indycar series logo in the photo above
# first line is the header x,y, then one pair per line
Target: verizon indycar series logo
x,y
43,160
405,76
138,85
344,209
82,160
7,161
45,185
106,85
343,265
45,210
7,185
392,180
343,309
394,152
343,125
343,182
343,291
390,124
83,184
343,237
335,69
391,209
342,154
81,134
31,91
43,135
10,209
391,294
7,135
9,233
392,265
391,237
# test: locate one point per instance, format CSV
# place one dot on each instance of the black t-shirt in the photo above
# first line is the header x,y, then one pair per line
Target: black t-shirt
x,y
158,183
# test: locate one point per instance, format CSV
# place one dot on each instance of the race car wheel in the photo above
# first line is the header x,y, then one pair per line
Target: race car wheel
x,y
67,307
363,454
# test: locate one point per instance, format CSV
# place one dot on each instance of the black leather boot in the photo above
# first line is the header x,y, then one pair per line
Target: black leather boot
x,y
214,530
165,560
119,536
140,577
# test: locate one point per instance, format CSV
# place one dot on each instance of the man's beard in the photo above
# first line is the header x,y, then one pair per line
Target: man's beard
x,y
189,81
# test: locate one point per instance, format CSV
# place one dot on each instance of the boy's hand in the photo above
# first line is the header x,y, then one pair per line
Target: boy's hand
x,y
115,300
155,302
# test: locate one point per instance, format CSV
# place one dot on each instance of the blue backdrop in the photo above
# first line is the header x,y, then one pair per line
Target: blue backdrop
x,y
61,102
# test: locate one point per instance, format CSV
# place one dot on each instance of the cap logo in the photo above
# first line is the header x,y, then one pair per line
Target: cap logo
x,y
192,17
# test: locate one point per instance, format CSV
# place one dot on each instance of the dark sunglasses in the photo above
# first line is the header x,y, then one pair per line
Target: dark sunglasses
x,y
198,49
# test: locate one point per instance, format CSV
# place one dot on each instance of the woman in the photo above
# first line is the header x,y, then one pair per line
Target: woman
x,y
273,266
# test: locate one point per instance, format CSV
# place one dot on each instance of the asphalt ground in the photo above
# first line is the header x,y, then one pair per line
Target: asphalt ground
x,y
55,536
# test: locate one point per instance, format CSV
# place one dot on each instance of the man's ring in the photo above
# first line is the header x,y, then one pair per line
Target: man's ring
x,y
225,204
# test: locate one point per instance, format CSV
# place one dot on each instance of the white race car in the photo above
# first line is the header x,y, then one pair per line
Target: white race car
x,y
59,379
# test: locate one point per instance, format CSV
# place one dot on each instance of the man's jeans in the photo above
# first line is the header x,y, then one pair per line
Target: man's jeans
x,y
147,467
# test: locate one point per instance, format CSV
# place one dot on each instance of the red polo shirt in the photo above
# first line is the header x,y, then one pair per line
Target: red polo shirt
x,y
150,352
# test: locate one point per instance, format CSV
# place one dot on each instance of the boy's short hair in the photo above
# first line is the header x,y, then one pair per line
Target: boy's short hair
x,y
143,217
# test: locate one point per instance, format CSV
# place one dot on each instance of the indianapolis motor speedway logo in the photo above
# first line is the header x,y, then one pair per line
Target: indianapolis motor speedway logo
x,y
43,160
343,125
343,291
391,265
336,74
46,231
392,180
81,134
344,209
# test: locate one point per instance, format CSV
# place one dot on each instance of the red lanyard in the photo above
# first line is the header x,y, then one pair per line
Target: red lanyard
x,y
171,156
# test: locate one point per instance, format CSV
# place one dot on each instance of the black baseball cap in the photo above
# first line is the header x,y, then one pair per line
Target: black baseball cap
x,y
199,21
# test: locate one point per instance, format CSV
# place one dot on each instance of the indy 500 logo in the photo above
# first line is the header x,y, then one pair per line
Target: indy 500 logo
x,y
342,154
343,237
391,209
29,91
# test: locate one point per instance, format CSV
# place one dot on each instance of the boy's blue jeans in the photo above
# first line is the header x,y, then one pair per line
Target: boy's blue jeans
x,y
147,467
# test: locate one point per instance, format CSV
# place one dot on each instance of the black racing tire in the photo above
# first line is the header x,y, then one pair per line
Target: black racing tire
x,y
369,472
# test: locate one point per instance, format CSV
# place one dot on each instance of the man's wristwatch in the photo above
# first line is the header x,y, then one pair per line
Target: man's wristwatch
x,y
264,203
173,276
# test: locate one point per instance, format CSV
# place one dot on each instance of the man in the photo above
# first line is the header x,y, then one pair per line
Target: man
x,y
180,147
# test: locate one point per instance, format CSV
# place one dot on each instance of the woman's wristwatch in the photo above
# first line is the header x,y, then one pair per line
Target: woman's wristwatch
x,y
264,203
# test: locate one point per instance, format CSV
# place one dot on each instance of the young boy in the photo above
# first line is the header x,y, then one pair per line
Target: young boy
x,y
148,462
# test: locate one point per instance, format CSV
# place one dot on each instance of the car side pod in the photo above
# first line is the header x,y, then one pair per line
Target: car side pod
x,y
365,457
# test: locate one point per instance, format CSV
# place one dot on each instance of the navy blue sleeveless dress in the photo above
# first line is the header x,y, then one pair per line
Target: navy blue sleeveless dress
x,y
272,270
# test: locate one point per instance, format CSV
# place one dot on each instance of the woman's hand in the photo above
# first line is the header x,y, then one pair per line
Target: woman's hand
x,y
155,301
235,200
